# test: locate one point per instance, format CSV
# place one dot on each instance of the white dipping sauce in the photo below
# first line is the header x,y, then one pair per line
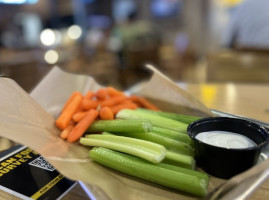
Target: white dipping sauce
x,y
225,139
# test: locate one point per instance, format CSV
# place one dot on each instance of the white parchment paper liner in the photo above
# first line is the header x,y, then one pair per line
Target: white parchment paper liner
x,y
29,120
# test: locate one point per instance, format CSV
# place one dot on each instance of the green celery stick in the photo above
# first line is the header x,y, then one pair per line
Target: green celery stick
x,y
119,125
184,170
149,171
176,135
171,157
178,162
178,159
107,133
178,117
155,120
147,150
168,143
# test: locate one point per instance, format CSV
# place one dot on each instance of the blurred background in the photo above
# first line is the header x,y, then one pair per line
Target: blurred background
x,y
111,40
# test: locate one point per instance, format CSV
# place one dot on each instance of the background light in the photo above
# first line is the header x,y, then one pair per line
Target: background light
x,y
51,57
19,1
74,32
47,37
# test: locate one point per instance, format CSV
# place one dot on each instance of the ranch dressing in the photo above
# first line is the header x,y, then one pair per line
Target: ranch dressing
x,y
225,139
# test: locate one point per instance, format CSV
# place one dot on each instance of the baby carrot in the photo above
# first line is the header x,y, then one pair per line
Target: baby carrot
x,y
126,101
117,108
71,98
64,134
65,117
89,104
113,101
79,116
82,126
144,102
101,94
113,92
89,95
106,113
80,108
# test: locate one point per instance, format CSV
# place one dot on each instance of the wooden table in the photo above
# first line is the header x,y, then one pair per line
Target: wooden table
x,y
246,100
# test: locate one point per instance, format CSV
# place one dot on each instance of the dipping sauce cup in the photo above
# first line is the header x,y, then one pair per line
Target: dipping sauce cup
x,y
226,161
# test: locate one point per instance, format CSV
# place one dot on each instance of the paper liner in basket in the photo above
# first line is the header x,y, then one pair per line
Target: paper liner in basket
x,y
29,120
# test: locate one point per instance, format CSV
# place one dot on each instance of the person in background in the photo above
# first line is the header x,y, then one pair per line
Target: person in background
x,y
249,26
135,35
136,42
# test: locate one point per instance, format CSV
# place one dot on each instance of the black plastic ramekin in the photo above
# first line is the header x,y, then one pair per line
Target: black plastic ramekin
x,y
226,162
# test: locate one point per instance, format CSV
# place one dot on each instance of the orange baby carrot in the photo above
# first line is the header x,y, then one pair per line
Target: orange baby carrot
x,y
144,102
117,108
65,117
70,99
113,101
113,92
126,101
89,104
82,126
80,109
89,95
101,94
106,113
64,134
148,104
79,116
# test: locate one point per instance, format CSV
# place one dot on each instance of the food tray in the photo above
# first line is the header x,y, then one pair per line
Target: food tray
x,y
30,119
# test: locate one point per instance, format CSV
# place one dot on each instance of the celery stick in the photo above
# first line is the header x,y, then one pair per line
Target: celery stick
x,y
184,170
171,157
178,162
178,117
120,125
155,120
168,143
177,159
107,133
179,168
147,150
151,172
176,135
